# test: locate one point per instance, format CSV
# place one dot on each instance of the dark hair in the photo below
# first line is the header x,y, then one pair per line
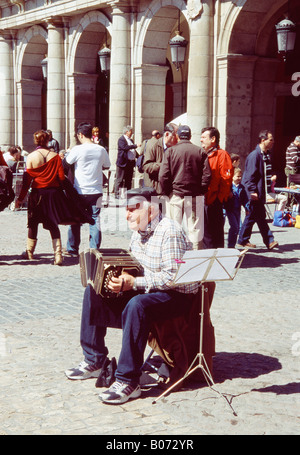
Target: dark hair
x,y
13,150
85,129
171,128
213,132
263,135
234,157
41,138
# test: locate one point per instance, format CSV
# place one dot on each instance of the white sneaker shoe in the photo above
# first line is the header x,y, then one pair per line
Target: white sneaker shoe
x,y
83,371
120,392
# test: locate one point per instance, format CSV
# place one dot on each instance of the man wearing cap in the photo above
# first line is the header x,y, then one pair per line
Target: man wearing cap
x,y
184,177
157,243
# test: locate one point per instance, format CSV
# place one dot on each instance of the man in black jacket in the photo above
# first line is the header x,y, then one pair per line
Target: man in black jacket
x,y
184,177
125,160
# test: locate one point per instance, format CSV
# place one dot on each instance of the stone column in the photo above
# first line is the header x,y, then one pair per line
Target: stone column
x,y
56,82
6,90
120,86
150,88
200,77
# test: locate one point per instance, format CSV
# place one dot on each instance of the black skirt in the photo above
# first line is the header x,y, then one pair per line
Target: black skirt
x,y
57,205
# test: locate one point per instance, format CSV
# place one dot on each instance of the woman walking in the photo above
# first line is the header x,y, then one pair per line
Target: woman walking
x,y
47,202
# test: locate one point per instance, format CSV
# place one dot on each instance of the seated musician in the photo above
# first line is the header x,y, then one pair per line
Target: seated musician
x,y
156,243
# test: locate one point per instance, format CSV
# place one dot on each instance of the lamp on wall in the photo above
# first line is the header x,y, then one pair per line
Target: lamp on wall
x,y
178,47
286,36
44,64
104,57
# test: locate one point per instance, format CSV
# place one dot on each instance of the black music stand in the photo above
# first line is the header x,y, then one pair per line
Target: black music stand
x,y
213,265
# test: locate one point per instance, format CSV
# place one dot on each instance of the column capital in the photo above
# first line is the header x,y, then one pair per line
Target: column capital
x,y
122,6
55,21
194,8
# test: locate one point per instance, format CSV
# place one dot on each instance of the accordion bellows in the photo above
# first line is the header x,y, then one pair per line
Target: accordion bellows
x,y
97,267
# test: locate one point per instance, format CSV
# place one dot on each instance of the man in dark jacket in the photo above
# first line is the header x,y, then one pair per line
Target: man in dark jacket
x,y
184,177
125,160
254,179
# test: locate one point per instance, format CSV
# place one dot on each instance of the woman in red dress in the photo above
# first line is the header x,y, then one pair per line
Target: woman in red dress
x,y
47,202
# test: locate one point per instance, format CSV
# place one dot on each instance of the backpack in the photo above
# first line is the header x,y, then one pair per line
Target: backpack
x,y
139,163
7,194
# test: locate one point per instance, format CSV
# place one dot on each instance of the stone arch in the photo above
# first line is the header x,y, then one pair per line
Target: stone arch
x,y
89,20
37,36
150,31
227,26
86,89
151,54
248,65
31,90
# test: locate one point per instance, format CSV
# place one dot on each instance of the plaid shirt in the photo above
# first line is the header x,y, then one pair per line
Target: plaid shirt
x,y
157,250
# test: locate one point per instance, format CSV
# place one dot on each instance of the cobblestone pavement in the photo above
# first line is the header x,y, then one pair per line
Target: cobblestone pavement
x,y
256,320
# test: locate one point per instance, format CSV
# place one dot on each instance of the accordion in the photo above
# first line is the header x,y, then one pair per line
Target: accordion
x,y
98,266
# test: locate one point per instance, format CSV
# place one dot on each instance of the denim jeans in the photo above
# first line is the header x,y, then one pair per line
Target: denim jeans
x,y
139,312
234,219
94,206
256,214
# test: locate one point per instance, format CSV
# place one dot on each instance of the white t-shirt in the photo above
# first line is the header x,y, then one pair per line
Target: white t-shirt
x,y
89,161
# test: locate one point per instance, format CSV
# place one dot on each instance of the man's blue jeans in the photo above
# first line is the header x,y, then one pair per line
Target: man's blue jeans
x,y
234,219
256,214
140,311
94,206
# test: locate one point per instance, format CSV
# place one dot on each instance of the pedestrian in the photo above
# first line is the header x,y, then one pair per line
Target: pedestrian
x,y
47,202
12,157
154,156
219,188
89,160
254,181
233,207
293,158
53,143
157,243
235,158
184,177
125,161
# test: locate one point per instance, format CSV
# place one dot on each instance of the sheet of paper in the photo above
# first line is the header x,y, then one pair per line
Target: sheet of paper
x,y
207,265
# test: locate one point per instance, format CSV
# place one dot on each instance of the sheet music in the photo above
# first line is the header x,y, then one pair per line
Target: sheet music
x,y
208,265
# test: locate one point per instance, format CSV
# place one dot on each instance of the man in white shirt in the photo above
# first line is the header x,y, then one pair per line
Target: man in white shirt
x,y
89,160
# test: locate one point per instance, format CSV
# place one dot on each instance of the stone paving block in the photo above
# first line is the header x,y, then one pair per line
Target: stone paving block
x,y
256,320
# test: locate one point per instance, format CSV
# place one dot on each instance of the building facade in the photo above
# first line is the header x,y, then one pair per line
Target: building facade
x,y
232,76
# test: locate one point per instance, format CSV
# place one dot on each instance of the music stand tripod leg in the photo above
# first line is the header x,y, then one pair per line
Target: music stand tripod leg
x,y
202,362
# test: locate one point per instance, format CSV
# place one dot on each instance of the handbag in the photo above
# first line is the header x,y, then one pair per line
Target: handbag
x,y
140,162
107,373
283,219
297,225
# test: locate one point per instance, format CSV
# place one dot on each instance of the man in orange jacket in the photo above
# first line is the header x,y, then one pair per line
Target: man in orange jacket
x,y
219,189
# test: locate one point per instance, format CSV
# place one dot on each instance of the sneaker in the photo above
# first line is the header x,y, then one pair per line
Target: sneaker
x,y
83,371
71,254
273,245
120,392
246,245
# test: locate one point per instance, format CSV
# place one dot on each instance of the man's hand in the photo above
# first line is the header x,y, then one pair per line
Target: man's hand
x,y
254,197
121,283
